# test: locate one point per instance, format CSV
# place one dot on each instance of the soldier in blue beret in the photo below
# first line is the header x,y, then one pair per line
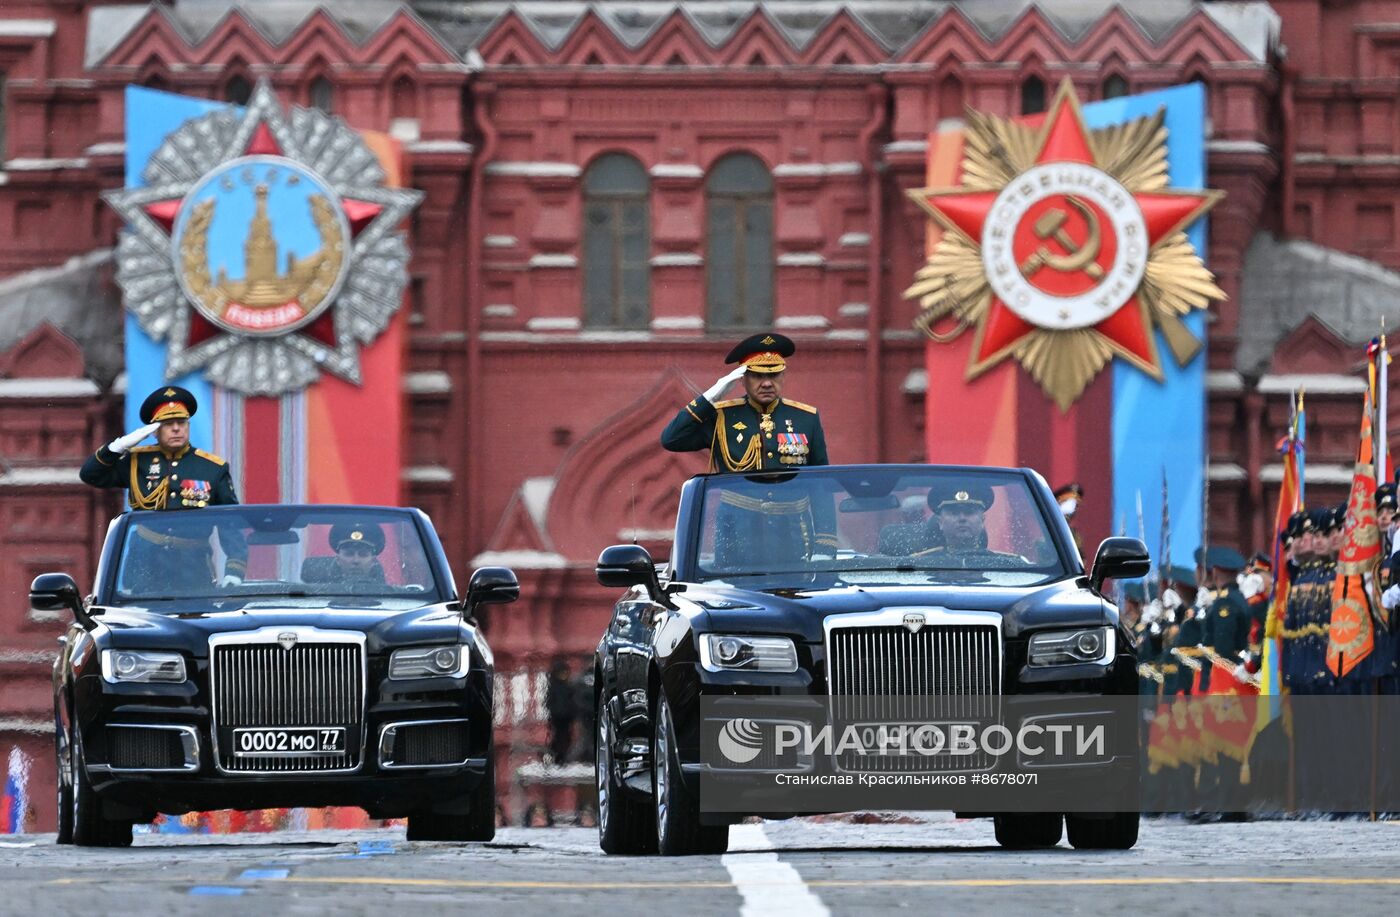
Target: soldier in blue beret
x,y
759,432
171,475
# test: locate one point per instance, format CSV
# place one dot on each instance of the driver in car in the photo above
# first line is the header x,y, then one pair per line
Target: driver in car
x,y
960,516
357,548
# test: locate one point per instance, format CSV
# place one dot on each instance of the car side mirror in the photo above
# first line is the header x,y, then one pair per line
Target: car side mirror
x,y
491,586
52,591
1119,558
629,565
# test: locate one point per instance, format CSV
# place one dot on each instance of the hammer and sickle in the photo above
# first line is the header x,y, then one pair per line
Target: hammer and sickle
x,y
1051,225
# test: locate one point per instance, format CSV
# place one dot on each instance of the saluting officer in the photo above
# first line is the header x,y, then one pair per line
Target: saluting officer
x,y
170,474
761,431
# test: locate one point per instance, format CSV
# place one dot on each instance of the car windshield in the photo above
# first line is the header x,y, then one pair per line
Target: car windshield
x,y
873,526
301,553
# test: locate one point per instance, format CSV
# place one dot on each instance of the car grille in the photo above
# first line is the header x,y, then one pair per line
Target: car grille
x,y
311,684
430,744
133,748
937,674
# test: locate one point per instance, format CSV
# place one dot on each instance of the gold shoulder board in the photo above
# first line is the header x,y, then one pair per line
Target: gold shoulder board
x,y
217,460
800,406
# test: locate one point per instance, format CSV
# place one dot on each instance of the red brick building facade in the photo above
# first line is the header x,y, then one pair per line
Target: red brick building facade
x,y
615,190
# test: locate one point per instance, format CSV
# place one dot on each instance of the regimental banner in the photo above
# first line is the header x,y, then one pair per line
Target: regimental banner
x,y
1070,242
263,267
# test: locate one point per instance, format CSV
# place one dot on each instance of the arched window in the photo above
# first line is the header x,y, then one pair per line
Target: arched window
x,y
950,97
238,90
1032,96
403,98
322,94
616,243
1115,87
739,251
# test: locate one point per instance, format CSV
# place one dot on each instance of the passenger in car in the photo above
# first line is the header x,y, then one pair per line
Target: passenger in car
x,y
959,511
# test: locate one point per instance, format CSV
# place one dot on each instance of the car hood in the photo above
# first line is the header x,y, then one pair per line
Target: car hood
x,y
132,627
1067,602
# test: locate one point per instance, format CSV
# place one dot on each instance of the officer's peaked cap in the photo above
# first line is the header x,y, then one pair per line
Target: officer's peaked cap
x,y
169,402
344,533
945,495
763,353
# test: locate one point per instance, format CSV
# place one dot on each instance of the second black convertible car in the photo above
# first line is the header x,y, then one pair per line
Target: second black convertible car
x,y
249,657
850,582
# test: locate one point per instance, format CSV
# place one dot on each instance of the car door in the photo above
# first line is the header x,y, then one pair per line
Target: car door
x,y
629,636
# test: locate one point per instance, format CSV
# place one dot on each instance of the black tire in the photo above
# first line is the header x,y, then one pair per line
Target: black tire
x,y
626,823
65,785
1117,832
479,824
90,828
1029,830
678,828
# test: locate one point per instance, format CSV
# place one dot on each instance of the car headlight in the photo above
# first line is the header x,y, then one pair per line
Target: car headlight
x,y
1066,647
726,653
429,662
142,666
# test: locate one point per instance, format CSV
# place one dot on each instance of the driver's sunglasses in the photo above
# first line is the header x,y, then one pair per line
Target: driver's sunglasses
x,y
356,550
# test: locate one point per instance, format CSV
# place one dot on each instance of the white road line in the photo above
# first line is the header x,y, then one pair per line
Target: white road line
x,y
769,887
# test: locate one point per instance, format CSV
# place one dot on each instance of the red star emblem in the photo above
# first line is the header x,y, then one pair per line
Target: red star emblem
x,y
359,214
1077,261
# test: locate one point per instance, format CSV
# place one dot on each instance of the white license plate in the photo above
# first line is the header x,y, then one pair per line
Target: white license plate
x,y
297,742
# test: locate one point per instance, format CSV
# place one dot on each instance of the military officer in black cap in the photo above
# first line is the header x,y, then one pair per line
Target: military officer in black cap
x,y
759,432
170,475
357,548
959,512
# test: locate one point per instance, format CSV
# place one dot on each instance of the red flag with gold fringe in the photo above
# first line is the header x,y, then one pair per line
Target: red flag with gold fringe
x,y
1356,605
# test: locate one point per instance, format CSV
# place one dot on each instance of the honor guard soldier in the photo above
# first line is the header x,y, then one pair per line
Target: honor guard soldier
x,y
171,475
1069,496
1225,630
1308,614
759,432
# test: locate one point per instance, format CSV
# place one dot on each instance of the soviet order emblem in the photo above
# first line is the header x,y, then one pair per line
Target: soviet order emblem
x,y
913,622
263,247
1064,248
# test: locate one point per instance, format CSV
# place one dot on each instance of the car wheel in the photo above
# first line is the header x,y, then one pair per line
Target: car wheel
x,y
90,828
1028,830
625,823
1118,831
65,785
479,824
678,828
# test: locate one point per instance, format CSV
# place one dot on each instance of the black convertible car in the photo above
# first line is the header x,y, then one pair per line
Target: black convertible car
x,y
251,657
836,583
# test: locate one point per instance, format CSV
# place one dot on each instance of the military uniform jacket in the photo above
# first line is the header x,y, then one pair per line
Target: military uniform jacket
x,y
740,436
1306,622
155,480
1226,628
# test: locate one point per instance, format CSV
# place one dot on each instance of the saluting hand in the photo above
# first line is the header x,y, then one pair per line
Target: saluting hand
x,y
121,444
719,388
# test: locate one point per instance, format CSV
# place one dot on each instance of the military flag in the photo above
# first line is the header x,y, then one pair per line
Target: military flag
x,y
1356,605
1290,501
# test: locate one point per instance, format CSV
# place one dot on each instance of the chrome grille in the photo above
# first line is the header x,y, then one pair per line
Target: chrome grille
x,y
940,673
264,685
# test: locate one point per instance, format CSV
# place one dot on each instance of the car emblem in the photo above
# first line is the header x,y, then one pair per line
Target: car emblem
x,y
287,641
913,622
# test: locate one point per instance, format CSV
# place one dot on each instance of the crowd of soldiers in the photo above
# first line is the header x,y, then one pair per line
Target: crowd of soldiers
x,y
1200,633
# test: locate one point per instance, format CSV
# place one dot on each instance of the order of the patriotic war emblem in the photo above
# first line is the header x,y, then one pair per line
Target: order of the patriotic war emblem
x,y
1064,248
264,247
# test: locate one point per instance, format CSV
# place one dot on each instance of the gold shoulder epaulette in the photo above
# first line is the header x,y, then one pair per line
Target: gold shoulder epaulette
x,y
799,405
729,402
217,460
143,449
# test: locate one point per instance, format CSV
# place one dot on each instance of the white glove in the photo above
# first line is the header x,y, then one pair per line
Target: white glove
x,y
1391,597
1069,505
122,443
229,579
719,388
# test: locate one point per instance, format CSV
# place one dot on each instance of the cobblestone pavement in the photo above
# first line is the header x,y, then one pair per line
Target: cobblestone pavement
x,y
804,866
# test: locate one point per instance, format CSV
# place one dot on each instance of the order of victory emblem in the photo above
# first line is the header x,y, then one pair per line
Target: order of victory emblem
x,y
264,247
1064,248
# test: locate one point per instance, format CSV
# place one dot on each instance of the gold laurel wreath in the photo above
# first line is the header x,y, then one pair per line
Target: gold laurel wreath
x,y
194,256
953,283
